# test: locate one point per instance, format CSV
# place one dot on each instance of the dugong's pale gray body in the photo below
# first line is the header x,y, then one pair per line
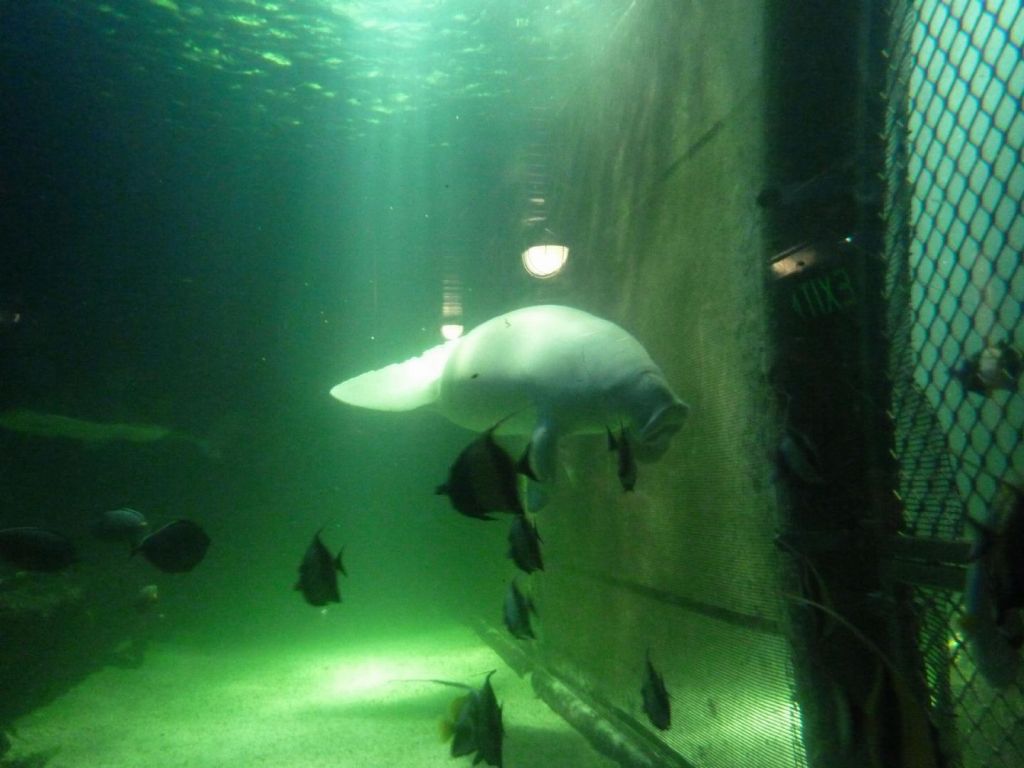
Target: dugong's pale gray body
x,y
547,370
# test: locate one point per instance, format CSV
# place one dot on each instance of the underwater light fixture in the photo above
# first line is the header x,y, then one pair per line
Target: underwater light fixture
x,y
545,261
451,331
451,307
794,260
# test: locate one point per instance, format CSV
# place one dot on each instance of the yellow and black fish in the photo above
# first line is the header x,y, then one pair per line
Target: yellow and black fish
x,y
474,723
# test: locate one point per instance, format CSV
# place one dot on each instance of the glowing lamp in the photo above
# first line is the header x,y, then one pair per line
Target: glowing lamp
x,y
545,261
451,331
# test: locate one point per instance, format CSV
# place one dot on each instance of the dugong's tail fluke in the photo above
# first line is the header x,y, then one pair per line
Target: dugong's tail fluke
x,y
398,387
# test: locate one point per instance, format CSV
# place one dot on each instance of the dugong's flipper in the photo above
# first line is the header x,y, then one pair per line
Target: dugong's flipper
x,y
541,457
398,387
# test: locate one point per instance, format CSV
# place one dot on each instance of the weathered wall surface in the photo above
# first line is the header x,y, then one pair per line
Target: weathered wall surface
x,y
658,161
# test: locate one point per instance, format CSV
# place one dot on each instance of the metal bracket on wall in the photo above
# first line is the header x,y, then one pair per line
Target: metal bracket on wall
x,y
609,730
925,562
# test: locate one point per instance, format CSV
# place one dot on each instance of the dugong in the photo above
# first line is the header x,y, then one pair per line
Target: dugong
x,y
543,371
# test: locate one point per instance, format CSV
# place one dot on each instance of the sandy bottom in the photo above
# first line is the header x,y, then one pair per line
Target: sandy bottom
x,y
283,707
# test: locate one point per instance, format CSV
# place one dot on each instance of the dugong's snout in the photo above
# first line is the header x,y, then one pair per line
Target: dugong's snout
x,y
654,437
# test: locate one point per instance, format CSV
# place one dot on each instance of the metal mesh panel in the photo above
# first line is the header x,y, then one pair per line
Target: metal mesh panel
x,y
955,134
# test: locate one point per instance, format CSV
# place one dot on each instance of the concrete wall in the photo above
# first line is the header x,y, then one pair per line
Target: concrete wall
x,y
657,159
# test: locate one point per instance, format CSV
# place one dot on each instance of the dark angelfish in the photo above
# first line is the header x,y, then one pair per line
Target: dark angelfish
x,y
490,730
124,525
524,545
516,612
474,723
176,548
318,574
36,549
484,479
623,447
655,697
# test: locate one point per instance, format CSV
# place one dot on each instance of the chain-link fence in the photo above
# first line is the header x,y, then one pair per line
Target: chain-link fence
x,y
955,137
